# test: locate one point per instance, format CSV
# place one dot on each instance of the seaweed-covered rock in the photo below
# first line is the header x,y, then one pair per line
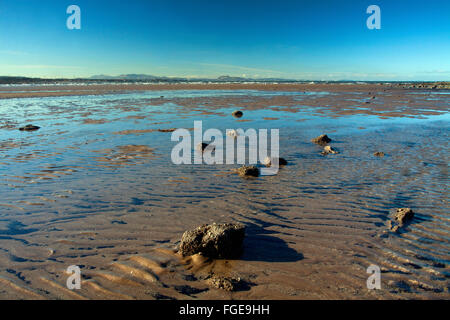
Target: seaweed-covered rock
x,y
400,218
329,150
268,161
214,241
248,171
322,139
237,114
29,127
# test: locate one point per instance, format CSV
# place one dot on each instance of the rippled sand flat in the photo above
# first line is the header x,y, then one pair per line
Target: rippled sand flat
x,y
95,187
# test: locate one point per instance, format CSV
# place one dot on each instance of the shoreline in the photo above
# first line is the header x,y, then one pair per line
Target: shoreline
x,y
33,91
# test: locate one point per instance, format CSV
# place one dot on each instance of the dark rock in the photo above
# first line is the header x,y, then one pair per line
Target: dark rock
x,y
322,139
29,127
248,171
400,218
167,130
214,241
237,114
379,154
268,161
202,147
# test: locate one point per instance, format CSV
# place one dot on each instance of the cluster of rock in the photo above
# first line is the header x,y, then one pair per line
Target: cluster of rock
x,y
426,85
323,140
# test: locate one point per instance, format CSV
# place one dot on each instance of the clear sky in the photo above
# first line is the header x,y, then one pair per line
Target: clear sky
x,y
297,39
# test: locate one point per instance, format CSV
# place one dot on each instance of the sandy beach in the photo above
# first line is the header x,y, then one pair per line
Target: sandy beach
x,y
95,187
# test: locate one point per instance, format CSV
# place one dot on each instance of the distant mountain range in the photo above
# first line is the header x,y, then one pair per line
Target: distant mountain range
x,y
146,77
127,77
135,78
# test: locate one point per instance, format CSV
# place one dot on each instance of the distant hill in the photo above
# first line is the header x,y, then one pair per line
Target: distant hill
x,y
126,77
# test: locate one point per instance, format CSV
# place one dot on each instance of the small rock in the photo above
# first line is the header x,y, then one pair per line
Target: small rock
x,y
214,241
379,154
329,150
202,147
232,133
248,171
322,139
29,127
224,283
237,114
269,160
403,215
400,218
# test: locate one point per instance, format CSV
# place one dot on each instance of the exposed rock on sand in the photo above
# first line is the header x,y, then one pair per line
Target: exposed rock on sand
x,y
167,130
329,150
237,114
268,161
232,133
203,146
29,127
400,218
379,154
248,171
322,139
225,283
214,241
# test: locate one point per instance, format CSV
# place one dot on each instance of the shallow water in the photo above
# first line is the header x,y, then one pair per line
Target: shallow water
x,y
95,187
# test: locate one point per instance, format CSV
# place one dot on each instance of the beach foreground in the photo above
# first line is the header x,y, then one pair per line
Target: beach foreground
x,y
95,187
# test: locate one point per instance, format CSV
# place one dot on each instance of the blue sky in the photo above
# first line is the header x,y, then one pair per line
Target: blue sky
x,y
317,40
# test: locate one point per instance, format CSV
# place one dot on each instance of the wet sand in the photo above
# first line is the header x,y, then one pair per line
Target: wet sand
x,y
95,187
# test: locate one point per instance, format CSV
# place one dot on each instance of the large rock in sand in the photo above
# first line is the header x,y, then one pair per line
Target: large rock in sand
x,y
214,241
